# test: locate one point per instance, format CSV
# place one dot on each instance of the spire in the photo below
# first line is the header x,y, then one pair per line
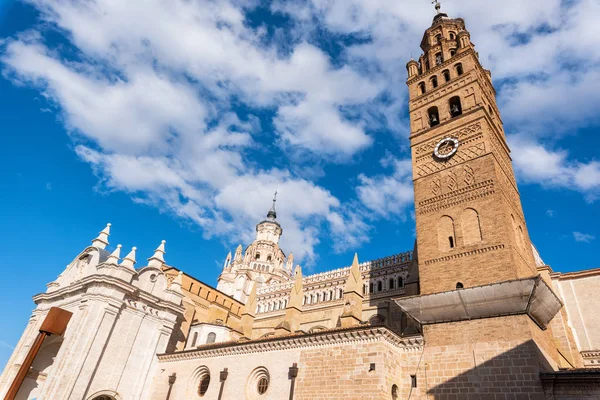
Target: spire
x,y
297,292
158,259
272,214
102,240
115,255
177,282
355,281
129,260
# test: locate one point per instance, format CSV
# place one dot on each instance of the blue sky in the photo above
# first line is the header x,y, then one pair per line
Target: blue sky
x,y
177,120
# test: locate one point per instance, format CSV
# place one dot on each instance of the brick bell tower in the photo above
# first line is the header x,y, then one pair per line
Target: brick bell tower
x,y
470,225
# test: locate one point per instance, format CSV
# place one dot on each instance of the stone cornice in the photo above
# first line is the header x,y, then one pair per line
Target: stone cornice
x,y
465,254
295,341
577,274
104,280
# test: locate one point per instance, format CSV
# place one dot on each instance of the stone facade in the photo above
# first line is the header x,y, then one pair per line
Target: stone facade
x,y
472,312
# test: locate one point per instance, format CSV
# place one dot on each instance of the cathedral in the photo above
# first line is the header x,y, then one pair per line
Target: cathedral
x,y
471,312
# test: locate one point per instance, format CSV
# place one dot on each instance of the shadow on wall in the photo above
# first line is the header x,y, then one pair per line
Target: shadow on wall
x,y
511,374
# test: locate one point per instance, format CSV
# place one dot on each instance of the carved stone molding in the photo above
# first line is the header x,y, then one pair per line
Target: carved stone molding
x,y
465,254
298,340
459,196
463,154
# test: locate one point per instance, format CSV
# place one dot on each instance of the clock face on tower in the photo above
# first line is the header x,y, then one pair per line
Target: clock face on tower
x,y
446,148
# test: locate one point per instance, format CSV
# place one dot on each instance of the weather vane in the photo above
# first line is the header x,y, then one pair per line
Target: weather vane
x,y
438,5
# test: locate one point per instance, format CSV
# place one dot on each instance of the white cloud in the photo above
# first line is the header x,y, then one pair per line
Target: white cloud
x,y
391,194
148,88
554,168
583,237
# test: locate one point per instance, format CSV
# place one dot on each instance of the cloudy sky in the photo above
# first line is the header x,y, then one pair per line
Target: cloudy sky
x,y
178,119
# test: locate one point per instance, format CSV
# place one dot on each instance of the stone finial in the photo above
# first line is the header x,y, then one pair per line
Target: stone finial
x,y
177,282
296,296
355,281
238,254
102,240
114,256
250,306
227,260
158,259
129,260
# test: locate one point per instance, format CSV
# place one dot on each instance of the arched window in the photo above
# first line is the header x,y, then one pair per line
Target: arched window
x,y
341,293
394,392
257,256
446,235
426,65
439,59
391,283
452,35
459,69
422,88
434,116
438,38
459,285
400,282
455,106
521,236
204,383
446,75
452,52
211,337
371,287
471,227
379,286
194,339
269,257
434,82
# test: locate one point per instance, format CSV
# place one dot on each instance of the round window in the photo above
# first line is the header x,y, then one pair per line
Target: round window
x,y
203,386
263,385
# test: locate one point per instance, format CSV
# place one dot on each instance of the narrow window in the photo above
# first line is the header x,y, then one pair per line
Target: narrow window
x,y
394,392
446,74
439,59
459,69
379,286
438,38
452,36
459,285
434,116
427,65
452,52
194,339
371,287
400,282
364,289
434,82
413,381
341,293
191,286
455,107
269,257
263,385
391,283
211,337
451,241
257,256
204,383
422,88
